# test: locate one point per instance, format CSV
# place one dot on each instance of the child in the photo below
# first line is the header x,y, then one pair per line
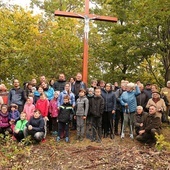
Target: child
x,y
82,107
96,110
35,126
14,115
42,105
19,128
29,108
53,110
4,121
37,93
64,118
90,96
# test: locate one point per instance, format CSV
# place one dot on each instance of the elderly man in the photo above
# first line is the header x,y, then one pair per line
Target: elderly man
x,y
139,119
151,126
165,92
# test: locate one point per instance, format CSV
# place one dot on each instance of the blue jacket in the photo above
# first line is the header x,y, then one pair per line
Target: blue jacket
x,y
109,100
49,93
129,97
61,98
14,115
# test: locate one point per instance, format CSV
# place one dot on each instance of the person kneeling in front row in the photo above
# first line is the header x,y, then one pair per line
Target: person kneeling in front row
x,y
35,126
152,125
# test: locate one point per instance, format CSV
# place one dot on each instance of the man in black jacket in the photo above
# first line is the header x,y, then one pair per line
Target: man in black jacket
x,y
60,83
151,126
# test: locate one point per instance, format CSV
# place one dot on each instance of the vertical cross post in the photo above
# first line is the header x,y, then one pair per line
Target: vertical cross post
x,y
86,47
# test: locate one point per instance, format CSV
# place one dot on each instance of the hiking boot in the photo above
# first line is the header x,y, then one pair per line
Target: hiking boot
x,y
131,136
77,137
67,139
122,135
111,136
58,139
54,133
81,138
116,133
98,141
73,128
93,139
105,135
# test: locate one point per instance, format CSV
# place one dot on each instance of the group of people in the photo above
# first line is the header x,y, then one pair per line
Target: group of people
x,y
94,112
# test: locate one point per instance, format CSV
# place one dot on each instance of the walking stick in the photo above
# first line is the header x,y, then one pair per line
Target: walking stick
x,y
131,129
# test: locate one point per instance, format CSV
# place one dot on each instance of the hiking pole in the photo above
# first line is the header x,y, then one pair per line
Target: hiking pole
x,y
112,128
131,130
122,132
123,126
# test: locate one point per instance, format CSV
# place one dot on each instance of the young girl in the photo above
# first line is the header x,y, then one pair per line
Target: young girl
x,y
42,105
29,108
4,121
53,110
19,128
14,115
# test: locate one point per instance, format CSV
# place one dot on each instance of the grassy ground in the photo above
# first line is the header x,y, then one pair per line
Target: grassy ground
x,y
110,154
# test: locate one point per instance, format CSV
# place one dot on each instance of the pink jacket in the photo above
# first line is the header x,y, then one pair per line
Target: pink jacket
x,y
53,108
29,109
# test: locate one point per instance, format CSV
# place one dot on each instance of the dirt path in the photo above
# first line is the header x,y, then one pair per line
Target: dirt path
x,y
109,155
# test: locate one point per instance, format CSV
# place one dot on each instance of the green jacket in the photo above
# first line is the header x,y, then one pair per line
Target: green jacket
x,y
20,125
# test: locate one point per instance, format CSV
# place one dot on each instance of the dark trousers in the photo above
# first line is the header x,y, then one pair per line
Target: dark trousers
x,y
89,126
148,137
4,130
62,126
19,136
20,108
137,129
107,122
97,127
119,117
54,124
49,123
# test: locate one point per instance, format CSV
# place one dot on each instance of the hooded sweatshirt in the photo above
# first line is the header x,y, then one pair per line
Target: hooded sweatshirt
x,y
29,108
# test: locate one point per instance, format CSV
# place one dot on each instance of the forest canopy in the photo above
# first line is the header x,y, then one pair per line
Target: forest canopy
x,y
137,47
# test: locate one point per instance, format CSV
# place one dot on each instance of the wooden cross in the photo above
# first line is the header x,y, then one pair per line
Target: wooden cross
x,y
87,17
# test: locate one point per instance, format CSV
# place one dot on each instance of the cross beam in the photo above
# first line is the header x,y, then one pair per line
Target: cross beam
x,y
87,17
91,16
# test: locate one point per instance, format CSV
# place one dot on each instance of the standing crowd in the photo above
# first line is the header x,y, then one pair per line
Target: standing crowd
x,y
100,111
